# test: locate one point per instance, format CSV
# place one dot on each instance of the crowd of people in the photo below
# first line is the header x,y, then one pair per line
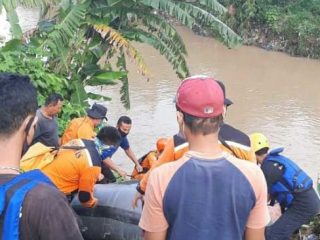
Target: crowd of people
x,y
208,181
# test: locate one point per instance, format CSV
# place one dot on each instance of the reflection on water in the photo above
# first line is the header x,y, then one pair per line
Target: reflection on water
x,y
273,93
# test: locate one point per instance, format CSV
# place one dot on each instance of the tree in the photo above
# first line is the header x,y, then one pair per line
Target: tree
x,y
80,40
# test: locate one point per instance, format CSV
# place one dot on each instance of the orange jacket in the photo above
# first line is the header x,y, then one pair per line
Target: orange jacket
x,y
79,128
173,151
148,161
73,170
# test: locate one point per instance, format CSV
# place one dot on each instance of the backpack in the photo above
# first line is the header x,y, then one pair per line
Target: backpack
x,y
294,179
12,194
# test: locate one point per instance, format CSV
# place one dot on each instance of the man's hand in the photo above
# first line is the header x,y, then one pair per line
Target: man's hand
x,y
122,173
100,177
136,198
139,168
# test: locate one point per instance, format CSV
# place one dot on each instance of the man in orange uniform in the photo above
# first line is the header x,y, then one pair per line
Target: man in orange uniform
x,y
78,170
84,127
231,140
149,159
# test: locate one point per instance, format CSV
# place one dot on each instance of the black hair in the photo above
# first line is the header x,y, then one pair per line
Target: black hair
x,y
18,100
109,136
53,99
262,151
124,119
202,126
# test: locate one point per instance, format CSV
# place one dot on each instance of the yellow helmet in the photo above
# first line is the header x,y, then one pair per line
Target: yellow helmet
x,y
258,141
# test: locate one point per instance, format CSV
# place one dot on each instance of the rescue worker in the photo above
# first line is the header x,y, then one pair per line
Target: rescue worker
x,y
149,159
84,127
287,184
197,196
47,125
31,207
124,125
77,165
231,140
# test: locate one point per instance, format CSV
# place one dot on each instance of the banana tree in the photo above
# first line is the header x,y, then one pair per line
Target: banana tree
x,y
84,36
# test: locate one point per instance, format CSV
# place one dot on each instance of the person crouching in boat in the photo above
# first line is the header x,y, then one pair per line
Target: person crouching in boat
x,y
147,160
76,166
287,184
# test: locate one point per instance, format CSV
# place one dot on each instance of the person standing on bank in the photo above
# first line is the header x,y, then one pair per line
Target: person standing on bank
x,y
84,127
32,208
47,126
208,193
287,184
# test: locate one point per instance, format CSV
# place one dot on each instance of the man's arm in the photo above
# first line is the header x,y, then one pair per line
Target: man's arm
x,y
132,156
110,164
88,178
254,234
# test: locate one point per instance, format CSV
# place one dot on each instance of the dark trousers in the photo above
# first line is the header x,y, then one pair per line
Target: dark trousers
x,y
108,175
304,207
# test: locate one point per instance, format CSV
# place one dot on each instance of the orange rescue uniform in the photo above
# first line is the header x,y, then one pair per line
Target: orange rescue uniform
x,y
79,128
176,147
75,170
146,162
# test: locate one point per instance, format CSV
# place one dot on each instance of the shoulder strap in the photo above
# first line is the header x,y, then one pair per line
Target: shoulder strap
x,y
12,195
224,143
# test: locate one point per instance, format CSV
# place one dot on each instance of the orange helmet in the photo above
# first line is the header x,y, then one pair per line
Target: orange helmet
x,y
161,143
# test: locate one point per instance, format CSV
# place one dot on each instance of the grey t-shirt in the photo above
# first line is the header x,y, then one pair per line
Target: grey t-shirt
x,y
46,131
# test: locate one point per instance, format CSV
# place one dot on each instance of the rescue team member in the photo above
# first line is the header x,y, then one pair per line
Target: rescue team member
x,y
287,184
46,214
208,193
47,125
124,125
231,140
149,159
78,168
84,127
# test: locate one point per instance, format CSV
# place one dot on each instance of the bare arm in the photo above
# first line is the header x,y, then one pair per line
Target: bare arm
x,y
254,234
155,235
132,156
110,164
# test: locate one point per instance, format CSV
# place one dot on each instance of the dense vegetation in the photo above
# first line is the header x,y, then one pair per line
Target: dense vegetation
x,y
292,26
88,42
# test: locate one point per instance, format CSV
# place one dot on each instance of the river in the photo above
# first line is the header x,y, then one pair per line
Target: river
x,y
273,93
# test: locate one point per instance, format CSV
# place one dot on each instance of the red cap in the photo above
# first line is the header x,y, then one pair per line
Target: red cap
x,y
200,96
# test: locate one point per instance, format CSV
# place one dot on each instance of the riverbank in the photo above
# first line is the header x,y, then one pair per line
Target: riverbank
x,y
286,26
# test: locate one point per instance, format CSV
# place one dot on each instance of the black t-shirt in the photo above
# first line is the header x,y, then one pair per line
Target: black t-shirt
x,y
46,131
46,214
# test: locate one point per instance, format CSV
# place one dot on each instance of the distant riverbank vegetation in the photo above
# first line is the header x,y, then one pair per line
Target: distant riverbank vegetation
x,y
292,26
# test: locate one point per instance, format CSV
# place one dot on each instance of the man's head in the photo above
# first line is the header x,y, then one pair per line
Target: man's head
x,y
18,104
124,125
260,146
109,136
199,103
53,104
97,113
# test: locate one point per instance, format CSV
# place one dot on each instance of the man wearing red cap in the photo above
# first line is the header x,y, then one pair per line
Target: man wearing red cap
x,y
208,193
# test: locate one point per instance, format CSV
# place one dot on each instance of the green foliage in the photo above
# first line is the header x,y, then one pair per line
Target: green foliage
x,y
77,46
293,25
